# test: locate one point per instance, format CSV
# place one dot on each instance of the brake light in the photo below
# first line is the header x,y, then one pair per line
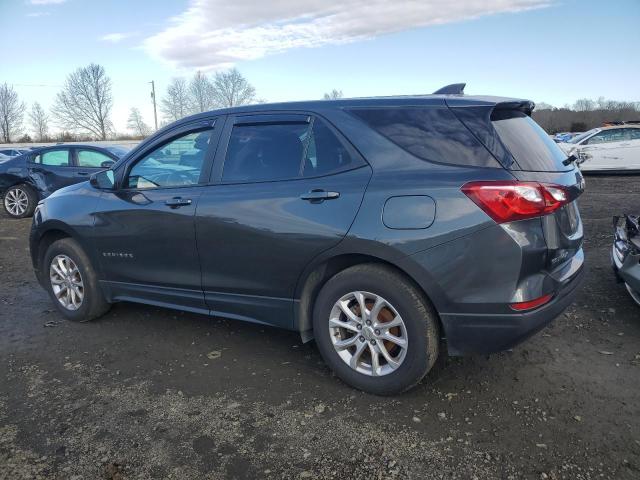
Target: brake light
x,y
507,201
531,304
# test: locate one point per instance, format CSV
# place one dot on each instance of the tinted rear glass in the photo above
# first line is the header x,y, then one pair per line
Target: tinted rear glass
x,y
531,147
430,133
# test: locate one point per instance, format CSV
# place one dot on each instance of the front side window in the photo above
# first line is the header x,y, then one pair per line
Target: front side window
x,y
92,159
175,164
263,152
326,154
607,136
54,158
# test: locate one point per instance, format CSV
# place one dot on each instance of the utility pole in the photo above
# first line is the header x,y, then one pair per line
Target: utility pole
x,y
153,97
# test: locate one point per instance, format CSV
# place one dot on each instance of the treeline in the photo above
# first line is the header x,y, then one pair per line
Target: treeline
x,y
82,109
585,114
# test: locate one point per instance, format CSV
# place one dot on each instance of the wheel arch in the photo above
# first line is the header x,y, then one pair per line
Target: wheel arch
x,y
315,278
46,236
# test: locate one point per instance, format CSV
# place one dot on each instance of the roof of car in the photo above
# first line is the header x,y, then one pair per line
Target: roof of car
x,y
624,125
369,101
454,100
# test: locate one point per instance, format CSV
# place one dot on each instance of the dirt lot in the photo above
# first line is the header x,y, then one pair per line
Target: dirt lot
x,y
152,393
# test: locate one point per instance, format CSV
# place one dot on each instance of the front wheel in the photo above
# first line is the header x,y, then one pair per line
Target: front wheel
x,y
20,201
375,329
72,282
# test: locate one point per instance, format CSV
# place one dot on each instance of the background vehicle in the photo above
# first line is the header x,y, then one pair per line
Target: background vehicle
x,y
377,226
625,253
30,177
564,136
614,149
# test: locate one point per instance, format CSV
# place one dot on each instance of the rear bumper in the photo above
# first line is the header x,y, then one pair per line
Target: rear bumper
x,y
489,333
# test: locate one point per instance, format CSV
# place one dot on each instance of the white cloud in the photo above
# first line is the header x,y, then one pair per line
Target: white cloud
x,y
115,37
38,14
218,33
45,2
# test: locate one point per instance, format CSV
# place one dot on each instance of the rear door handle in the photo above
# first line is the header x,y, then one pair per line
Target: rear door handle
x,y
83,174
176,202
319,195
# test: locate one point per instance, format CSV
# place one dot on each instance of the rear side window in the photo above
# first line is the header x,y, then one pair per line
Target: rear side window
x,y
54,158
429,133
91,158
527,142
326,154
262,152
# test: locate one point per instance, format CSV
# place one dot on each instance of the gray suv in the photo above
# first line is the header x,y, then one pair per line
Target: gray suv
x,y
388,229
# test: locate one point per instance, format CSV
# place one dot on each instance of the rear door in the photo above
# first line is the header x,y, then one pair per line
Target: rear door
x,y
286,187
539,159
630,149
52,169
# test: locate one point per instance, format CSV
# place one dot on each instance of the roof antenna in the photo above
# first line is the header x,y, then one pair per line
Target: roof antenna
x,y
453,89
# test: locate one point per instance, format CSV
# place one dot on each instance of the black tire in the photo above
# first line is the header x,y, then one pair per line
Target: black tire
x,y
420,319
93,304
32,200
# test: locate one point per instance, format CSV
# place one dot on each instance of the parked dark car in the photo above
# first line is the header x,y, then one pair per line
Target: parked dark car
x,y
32,176
386,228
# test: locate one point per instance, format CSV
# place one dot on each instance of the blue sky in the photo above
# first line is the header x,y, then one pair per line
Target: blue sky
x,y
545,50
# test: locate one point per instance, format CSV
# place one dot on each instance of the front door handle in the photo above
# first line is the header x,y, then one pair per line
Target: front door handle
x,y
83,174
176,202
317,196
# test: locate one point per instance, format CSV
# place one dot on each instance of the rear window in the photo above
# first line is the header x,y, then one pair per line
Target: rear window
x,y
430,133
529,144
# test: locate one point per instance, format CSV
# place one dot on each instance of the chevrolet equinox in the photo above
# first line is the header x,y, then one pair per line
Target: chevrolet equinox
x,y
387,229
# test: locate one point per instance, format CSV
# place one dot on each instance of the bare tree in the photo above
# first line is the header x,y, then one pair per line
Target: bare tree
x,y
11,112
231,89
85,101
200,91
175,104
137,123
39,121
333,95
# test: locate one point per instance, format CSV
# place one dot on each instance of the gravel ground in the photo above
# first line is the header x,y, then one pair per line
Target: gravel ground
x,y
152,393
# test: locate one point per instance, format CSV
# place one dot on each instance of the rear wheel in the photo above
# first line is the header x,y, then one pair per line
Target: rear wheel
x,y
72,282
375,329
20,201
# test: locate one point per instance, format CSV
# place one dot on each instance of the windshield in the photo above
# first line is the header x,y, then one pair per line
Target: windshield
x,y
579,138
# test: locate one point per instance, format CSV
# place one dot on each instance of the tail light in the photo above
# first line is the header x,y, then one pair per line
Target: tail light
x,y
531,304
507,201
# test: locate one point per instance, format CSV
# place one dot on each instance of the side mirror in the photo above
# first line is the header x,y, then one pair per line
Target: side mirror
x,y
104,180
107,164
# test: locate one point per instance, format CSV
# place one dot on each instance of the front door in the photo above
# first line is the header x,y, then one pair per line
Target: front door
x,y
288,188
144,230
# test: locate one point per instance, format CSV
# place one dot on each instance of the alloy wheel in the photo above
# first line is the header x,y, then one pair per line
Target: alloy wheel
x,y
16,201
368,333
66,282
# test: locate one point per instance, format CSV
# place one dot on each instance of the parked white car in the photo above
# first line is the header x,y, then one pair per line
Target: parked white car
x,y
614,148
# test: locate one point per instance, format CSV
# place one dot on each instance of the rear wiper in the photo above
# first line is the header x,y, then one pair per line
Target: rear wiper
x,y
569,160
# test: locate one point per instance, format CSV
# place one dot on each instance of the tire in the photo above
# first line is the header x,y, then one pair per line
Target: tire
x,y
92,304
420,329
20,201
